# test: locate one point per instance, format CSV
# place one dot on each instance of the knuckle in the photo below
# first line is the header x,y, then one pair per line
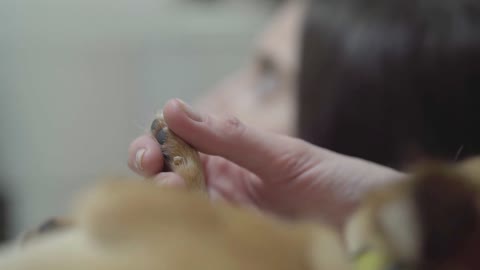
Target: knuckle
x,y
232,126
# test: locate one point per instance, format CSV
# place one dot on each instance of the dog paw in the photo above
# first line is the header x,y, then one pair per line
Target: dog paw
x,y
179,157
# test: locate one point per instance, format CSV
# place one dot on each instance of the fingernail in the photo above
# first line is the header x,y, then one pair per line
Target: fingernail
x,y
191,113
139,159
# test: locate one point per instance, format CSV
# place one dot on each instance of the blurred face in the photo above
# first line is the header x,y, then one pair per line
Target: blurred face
x,y
263,93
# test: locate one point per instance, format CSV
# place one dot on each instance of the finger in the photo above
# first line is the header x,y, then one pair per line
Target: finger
x,y
266,154
145,156
169,179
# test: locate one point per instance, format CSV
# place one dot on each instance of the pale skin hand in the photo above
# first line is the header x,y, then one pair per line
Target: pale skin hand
x,y
273,173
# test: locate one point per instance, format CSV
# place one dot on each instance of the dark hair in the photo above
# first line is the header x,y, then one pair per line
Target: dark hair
x,y
386,80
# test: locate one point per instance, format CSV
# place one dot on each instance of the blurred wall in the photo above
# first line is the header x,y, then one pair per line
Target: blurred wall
x,y
79,79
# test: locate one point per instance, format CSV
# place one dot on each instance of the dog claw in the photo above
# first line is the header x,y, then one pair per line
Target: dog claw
x,y
161,136
156,124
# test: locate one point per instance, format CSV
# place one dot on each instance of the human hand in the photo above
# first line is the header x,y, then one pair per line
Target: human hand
x,y
270,172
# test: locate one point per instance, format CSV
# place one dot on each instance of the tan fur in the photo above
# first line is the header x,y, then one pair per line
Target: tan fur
x,y
137,225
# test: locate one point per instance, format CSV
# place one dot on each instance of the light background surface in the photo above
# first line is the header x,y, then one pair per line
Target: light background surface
x,y
79,79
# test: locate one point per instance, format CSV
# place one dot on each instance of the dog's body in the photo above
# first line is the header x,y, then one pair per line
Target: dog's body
x,y
138,225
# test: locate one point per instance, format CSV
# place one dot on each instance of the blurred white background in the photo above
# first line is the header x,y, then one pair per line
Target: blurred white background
x,y
79,79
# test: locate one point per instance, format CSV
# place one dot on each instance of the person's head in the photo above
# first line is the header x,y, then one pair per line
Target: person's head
x,y
386,80
263,93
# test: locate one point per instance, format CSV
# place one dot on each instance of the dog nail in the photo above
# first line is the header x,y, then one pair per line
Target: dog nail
x,y
161,136
190,112
155,125
139,159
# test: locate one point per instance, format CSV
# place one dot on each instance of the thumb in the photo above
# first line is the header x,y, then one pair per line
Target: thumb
x,y
268,155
